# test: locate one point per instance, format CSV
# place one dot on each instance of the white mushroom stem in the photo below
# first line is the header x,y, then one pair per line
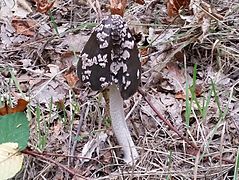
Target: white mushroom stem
x,y
120,127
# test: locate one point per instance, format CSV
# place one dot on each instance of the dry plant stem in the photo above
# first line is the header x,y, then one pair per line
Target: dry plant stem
x,y
120,127
78,130
70,133
34,154
26,151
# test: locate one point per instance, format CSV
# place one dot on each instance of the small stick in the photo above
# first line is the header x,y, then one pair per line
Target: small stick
x,y
78,129
40,156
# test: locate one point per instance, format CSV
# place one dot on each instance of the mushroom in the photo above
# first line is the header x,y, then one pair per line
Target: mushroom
x,y
110,59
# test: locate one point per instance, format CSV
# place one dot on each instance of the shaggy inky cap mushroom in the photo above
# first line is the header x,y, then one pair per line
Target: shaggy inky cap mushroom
x,y
110,59
111,56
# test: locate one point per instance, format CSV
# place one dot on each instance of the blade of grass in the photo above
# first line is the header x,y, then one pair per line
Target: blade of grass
x,y
216,98
38,116
235,177
193,89
188,106
222,116
205,107
13,77
41,138
53,22
188,102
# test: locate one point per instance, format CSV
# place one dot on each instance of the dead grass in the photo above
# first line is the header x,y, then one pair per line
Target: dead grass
x,y
63,124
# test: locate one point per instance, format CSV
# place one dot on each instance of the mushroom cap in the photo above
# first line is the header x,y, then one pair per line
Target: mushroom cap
x,y
111,56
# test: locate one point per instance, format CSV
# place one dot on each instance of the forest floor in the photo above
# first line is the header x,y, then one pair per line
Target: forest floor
x,y
190,76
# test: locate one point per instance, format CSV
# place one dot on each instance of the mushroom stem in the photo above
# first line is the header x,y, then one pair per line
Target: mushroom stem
x,y
120,127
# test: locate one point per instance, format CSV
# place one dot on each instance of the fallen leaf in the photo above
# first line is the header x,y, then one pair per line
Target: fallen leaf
x,y
43,6
140,2
157,104
118,6
15,128
24,27
75,43
144,54
54,69
67,54
10,160
175,77
20,107
173,6
6,10
50,91
60,104
57,128
180,95
4,34
198,90
71,79
92,146
11,8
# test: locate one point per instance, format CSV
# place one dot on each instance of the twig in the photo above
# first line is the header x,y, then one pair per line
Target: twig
x,y
35,154
70,133
78,130
62,155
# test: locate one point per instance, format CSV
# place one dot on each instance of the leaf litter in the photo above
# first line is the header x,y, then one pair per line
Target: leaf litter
x,y
44,65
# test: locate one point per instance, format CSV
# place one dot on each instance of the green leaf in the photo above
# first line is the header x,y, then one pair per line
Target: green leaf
x,y
14,128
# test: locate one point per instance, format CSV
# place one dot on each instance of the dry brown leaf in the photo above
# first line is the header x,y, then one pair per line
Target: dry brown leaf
x,y
144,54
24,27
198,90
20,107
57,128
173,6
68,54
139,1
43,6
175,76
60,104
180,95
118,7
71,79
